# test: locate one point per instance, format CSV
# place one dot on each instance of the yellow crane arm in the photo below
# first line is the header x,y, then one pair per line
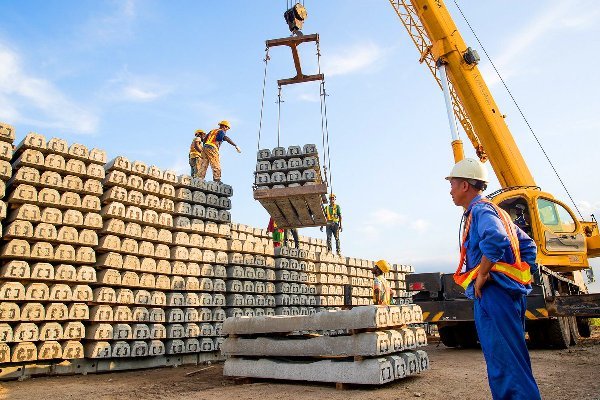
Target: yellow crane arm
x,y
433,31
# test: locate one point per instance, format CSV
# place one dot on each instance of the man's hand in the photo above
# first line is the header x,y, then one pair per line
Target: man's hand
x,y
341,229
238,149
479,282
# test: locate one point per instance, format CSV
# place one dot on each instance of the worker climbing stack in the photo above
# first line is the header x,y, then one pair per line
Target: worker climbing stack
x,y
250,273
288,183
48,256
296,282
370,345
199,256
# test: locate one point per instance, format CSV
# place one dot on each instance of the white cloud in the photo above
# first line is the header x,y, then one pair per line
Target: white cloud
x,y
181,166
420,225
126,86
553,18
116,25
587,208
352,59
22,94
382,221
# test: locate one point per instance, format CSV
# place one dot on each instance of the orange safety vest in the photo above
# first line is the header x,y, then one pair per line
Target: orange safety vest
x,y
518,271
211,139
193,152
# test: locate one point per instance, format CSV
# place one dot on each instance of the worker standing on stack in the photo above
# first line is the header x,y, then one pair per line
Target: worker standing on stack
x,y
210,152
499,258
382,293
196,151
333,214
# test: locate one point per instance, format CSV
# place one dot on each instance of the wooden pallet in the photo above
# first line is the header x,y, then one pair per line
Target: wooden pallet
x,y
294,207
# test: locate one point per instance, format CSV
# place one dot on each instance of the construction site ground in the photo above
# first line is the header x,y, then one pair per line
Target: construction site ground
x,y
454,374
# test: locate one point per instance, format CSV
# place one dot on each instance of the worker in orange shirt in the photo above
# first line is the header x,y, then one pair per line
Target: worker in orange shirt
x,y
210,151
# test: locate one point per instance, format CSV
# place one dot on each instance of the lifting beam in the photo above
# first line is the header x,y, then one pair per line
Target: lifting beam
x,y
293,42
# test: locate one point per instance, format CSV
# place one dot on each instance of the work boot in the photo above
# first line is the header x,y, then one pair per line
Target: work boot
x,y
339,252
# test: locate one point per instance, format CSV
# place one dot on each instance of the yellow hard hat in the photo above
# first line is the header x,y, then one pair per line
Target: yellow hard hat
x,y
383,265
332,196
469,168
225,123
199,131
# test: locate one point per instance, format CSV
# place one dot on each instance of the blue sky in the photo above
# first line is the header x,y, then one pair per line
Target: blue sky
x,y
136,78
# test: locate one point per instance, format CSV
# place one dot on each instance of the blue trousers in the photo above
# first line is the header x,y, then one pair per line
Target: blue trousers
x,y
500,321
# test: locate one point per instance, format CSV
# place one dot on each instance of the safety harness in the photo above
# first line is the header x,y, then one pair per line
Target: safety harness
x,y
518,271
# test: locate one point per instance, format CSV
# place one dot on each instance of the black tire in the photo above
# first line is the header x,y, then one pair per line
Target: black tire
x,y
537,334
583,327
574,331
559,333
447,336
466,335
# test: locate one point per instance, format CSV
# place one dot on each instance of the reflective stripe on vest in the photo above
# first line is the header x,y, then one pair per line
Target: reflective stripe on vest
x,y
332,215
211,139
519,271
193,152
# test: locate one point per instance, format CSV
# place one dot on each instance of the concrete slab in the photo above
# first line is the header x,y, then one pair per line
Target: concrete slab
x,y
375,371
357,318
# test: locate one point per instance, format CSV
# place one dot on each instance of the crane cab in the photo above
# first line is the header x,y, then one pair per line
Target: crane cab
x,y
560,237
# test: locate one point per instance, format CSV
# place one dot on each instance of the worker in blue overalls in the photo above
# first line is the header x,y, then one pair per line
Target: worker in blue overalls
x,y
498,258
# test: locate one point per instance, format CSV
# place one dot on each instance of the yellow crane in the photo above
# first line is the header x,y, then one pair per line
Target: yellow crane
x,y
565,243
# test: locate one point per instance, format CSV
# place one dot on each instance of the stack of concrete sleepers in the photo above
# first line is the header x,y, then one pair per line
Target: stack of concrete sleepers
x,y
291,167
332,276
199,256
128,317
250,275
361,279
397,279
48,255
373,345
296,282
7,137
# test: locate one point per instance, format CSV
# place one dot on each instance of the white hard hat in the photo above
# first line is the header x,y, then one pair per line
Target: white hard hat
x,y
469,168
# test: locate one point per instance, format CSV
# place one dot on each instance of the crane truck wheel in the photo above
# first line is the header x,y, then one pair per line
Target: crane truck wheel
x,y
466,335
574,331
583,327
558,333
448,336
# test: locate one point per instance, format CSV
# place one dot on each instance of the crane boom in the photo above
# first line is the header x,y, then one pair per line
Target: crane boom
x,y
434,33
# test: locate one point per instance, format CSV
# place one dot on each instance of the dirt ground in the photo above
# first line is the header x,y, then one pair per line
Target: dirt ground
x,y
454,374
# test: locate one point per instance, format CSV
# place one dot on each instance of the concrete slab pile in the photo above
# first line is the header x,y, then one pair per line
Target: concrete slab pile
x,y
48,255
372,345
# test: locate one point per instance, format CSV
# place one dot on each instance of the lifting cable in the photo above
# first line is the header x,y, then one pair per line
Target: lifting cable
x,y
519,108
324,127
262,101
279,101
